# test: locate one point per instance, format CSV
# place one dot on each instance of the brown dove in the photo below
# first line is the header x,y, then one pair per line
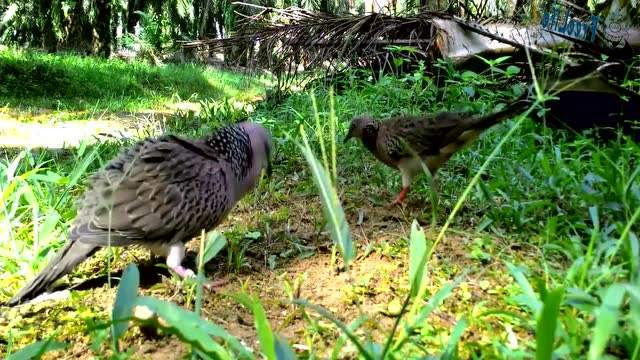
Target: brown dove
x,y
433,137
160,193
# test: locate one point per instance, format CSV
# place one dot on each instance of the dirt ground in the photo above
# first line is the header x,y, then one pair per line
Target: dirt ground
x,y
288,255
292,237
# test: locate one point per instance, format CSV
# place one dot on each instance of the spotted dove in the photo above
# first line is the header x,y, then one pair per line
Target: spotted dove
x,y
160,193
434,137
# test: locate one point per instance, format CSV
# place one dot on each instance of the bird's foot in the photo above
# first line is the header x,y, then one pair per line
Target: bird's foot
x,y
400,199
212,284
394,203
184,273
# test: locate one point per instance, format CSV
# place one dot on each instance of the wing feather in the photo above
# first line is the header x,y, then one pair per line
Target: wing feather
x,y
148,193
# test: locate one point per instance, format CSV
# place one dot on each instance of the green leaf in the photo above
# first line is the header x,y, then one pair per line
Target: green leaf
x,y
634,305
215,242
265,334
435,301
201,355
451,352
595,218
49,176
486,193
333,211
547,322
426,310
192,329
48,227
9,13
417,257
283,350
253,235
345,330
355,324
99,336
606,320
78,172
35,350
513,70
468,75
501,59
529,297
10,173
125,300
469,91
631,181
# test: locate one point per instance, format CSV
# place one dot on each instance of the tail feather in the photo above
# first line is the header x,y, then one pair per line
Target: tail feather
x,y
510,110
63,262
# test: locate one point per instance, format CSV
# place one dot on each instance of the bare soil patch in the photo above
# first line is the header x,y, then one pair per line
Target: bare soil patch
x,y
376,283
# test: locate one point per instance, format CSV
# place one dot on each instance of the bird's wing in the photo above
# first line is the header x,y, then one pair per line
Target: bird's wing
x,y
423,135
152,192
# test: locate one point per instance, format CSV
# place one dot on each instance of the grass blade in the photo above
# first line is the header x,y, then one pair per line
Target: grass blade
x,y
125,300
35,350
426,310
189,328
265,334
417,257
344,328
634,305
78,173
215,242
355,324
319,131
606,321
465,194
333,211
529,297
332,132
547,323
451,352
283,350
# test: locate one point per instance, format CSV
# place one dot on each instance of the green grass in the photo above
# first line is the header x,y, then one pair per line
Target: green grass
x,y
568,205
71,82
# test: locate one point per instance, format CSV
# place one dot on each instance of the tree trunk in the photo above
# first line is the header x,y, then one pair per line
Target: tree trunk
x,y
518,8
103,26
132,16
117,20
80,36
157,7
324,6
193,29
581,3
203,22
49,40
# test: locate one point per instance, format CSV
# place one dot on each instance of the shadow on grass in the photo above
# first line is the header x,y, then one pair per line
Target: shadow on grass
x,y
152,275
152,271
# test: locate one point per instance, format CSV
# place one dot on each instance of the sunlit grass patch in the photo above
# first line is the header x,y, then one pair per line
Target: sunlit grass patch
x,y
73,82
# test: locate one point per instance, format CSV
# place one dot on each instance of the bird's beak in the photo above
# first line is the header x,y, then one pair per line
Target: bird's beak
x,y
346,138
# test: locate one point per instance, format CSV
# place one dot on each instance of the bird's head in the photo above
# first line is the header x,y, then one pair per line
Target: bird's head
x,y
262,146
259,159
357,126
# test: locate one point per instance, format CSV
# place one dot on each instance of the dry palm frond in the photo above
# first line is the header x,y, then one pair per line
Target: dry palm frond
x,y
288,41
301,40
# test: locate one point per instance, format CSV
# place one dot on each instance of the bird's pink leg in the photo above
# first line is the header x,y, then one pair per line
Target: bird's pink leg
x,y
405,168
401,196
174,262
